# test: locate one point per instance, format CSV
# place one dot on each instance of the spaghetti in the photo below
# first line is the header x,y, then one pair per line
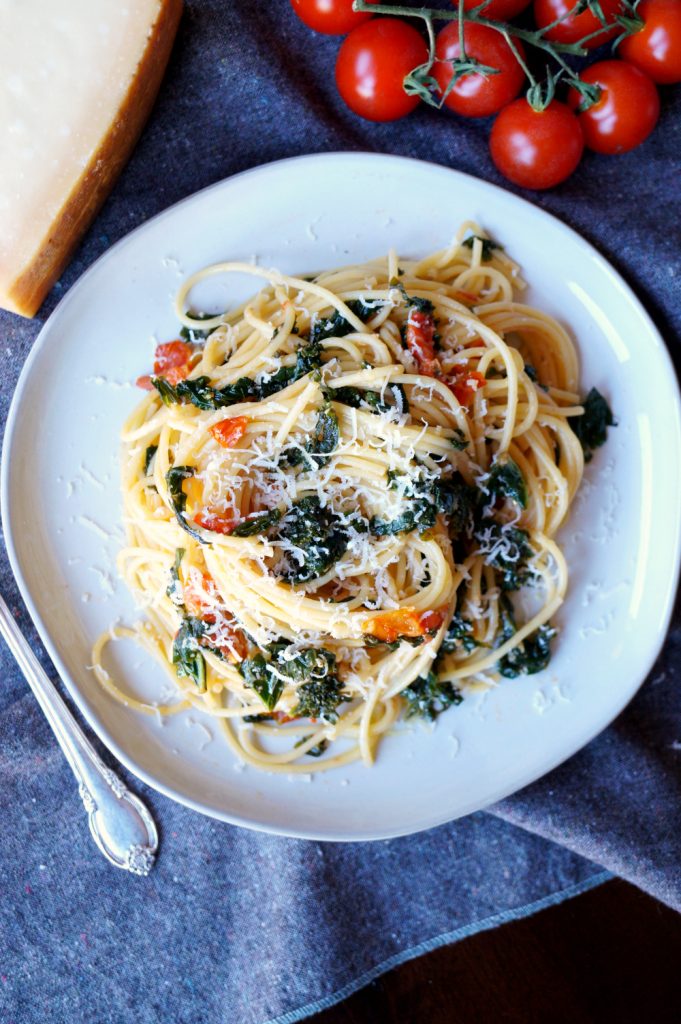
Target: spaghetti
x,y
335,494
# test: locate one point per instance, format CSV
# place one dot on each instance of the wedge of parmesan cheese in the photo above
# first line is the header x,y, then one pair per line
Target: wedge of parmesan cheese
x,y
77,81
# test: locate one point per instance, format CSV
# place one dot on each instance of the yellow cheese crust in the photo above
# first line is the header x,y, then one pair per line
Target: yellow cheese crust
x,y
25,293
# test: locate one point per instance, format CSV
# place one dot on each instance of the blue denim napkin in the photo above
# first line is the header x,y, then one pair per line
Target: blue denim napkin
x,y
233,927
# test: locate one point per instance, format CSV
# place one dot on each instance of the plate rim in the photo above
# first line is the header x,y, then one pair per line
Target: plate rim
x,y
504,789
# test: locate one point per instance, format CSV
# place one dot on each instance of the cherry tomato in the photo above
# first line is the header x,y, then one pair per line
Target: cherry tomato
x,y
625,114
656,48
477,95
371,66
228,433
431,621
216,522
465,383
497,10
536,149
573,27
171,354
390,626
333,17
419,339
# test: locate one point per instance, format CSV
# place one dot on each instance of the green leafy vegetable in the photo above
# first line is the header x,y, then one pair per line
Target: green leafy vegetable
x,y
428,696
175,477
257,524
532,374
196,334
187,657
592,426
507,550
459,634
336,326
257,676
426,498
506,481
315,533
174,589
488,246
414,301
315,751
149,456
458,441
532,655
314,668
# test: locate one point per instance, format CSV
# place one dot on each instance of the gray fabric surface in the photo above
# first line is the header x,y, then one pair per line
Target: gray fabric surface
x,y
238,927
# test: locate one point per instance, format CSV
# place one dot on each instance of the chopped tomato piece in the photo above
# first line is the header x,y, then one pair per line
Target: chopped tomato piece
x,y
171,355
431,621
229,432
419,338
215,522
465,384
176,373
390,626
145,383
200,595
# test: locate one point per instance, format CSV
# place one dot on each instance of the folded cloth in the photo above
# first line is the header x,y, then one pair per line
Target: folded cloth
x,y
241,928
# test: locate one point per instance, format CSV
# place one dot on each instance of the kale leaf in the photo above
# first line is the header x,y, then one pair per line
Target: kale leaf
x,y
196,334
413,301
314,668
428,696
506,481
187,657
149,457
336,326
488,246
426,499
532,655
458,441
507,551
175,477
592,426
459,634
174,589
257,676
315,531
257,524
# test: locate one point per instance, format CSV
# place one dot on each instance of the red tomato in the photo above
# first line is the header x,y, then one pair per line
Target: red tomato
x,y
625,114
497,10
390,626
431,621
144,382
536,149
228,433
333,17
199,598
477,95
170,355
419,339
656,48
171,361
466,382
573,27
216,522
372,64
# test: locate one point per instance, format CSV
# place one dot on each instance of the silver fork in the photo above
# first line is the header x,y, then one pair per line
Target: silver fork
x,y
120,823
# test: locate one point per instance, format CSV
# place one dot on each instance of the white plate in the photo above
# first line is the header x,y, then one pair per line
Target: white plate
x,y
61,506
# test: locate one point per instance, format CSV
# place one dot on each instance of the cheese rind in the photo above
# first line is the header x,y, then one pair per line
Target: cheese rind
x,y
70,114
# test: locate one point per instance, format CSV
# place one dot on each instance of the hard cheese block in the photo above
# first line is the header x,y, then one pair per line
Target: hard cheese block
x,y
77,81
